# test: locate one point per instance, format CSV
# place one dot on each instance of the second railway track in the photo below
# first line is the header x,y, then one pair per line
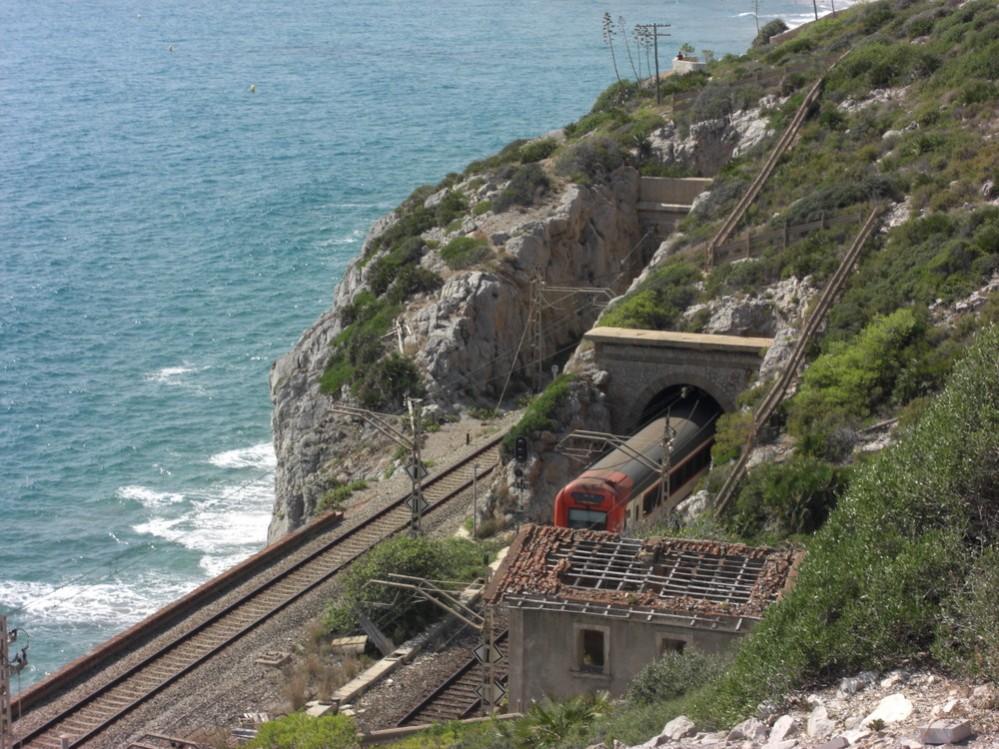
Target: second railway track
x,y
97,710
457,698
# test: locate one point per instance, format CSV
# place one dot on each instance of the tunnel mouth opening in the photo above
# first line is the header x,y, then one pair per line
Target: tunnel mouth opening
x,y
678,396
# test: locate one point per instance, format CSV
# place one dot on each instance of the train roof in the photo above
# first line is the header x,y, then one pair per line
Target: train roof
x,y
702,582
692,423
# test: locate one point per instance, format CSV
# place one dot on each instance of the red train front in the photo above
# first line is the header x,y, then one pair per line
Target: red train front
x,y
624,486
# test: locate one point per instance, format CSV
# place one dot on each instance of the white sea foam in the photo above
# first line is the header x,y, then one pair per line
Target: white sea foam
x,y
112,604
257,456
225,524
169,375
177,376
148,497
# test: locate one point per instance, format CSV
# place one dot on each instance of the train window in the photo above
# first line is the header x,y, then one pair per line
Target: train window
x,y
591,519
591,650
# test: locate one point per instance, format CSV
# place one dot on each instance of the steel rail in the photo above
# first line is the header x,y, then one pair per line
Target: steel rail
x,y
446,687
42,736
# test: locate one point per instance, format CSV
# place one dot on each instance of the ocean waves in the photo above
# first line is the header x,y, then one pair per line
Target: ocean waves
x,y
224,522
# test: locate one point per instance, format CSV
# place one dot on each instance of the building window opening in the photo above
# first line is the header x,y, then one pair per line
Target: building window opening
x,y
592,657
667,645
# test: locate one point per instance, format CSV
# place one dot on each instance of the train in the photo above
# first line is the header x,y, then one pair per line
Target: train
x,y
621,488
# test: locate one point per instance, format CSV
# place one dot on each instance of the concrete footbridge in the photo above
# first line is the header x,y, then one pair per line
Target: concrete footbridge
x,y
647,367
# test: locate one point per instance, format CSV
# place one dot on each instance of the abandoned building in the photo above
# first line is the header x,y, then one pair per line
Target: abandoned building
x,y
587,610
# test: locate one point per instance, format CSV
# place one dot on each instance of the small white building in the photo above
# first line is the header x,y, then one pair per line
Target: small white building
x,y
687,65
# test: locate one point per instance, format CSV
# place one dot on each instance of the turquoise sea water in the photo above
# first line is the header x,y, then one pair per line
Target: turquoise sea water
x,y
166,231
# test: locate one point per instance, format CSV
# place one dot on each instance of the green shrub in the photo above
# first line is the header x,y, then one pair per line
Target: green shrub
x,y
882,64
968,635
590,161
510,154
538,415
674,674
783,499
452,206
659,301
359,345
848,383
616,96
387,382
868,595
384,270
463,252
482,207
527,184
771,28
434,559
410,280
537,150
850,191
938,256
731,432
301,731
334,497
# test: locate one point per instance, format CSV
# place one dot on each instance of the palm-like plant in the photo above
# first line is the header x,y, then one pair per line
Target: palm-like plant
x,y
547,724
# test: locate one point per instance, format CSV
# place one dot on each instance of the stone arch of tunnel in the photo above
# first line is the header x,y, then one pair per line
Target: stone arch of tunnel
x,y
672,395
656,396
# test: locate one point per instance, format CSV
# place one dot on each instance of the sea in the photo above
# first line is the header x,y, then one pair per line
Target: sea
x,y
181,186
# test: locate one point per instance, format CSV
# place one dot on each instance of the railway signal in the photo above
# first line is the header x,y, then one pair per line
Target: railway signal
x,y
486,653
520,450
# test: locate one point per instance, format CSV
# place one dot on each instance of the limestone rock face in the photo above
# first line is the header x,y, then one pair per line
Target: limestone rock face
x,y
709,144
466,337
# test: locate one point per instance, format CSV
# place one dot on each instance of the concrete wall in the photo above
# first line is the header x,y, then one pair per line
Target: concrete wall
x,y
544,660
672,190
682,67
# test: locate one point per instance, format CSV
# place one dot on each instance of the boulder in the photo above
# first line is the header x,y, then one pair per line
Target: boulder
x,y
785,727
891,709
751,729
946,732
819,725
679,728
856,735
854,684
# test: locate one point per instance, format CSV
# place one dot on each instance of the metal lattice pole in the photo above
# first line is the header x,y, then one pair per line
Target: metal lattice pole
x,y
537,299
5,727
417,501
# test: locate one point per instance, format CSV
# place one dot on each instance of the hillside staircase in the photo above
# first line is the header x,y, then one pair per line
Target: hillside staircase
x,y
811,328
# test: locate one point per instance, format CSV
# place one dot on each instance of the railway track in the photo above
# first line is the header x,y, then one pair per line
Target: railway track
x,y
456,698
311,566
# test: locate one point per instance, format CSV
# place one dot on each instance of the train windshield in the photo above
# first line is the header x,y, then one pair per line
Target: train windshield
x,y
596,521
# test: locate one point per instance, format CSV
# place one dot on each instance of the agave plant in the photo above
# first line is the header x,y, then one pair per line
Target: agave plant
x,y
547,724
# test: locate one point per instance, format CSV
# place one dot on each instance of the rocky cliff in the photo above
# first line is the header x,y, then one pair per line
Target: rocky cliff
x,y
465,337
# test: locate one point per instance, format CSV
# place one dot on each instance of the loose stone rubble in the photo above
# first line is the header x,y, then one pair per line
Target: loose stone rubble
x,y
895,710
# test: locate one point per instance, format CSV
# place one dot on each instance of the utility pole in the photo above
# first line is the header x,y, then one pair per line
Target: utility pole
x,y
653,30
815,7
475,499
